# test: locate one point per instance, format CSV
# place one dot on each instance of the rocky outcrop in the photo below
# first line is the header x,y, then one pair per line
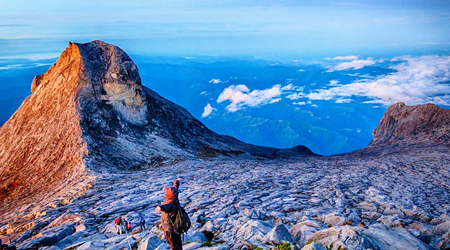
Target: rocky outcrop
x,y
422,124
90,111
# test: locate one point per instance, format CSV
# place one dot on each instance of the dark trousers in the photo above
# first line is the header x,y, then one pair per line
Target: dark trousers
x,y
173,239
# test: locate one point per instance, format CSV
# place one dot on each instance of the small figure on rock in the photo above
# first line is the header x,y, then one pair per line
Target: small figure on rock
x,y
174,219
118,223
129,226
124,224
142,223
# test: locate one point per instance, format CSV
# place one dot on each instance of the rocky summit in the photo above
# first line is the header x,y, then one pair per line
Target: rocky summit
x,y
89,111
92,143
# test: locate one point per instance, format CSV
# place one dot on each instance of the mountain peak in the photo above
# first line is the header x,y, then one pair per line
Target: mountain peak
x,y
89,111
407,125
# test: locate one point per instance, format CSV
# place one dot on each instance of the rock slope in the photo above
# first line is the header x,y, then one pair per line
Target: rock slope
x,y
389,202
90,111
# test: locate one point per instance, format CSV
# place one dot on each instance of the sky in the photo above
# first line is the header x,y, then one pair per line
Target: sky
x,y
281,29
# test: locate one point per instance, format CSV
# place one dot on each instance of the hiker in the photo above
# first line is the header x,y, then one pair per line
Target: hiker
x,y
142,223
170,209
129,227
124,224
118,223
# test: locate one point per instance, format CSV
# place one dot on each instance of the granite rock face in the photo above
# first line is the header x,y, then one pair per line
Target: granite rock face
x,y
422,124
90,111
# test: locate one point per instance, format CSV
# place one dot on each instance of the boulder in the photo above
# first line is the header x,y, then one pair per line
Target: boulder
x,y
382,237
149,242
194,236
303,230
278,235
253,228
345,236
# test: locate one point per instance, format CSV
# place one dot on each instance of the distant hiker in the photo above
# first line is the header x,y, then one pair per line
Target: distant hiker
x,y
129,226
118,223
124,224
174,219
142,223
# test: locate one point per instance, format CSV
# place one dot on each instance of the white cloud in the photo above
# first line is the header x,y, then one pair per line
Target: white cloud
x,y
417,80
207,110
22,66
334,82
13,66
217,81
355,64
292,87
299,103
32,57
296,96
345,58
240,96
343,100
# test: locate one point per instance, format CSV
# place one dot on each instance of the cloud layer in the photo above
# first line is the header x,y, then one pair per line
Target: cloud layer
x,y
417,80
240,96
355,64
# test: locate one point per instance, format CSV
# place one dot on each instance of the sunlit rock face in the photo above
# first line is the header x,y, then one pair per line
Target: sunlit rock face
x,y
402,124
90,111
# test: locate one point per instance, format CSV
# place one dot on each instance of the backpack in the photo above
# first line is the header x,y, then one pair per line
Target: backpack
x,y
129,226
182,222
117,221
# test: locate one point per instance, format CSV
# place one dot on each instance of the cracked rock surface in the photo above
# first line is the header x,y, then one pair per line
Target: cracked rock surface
x,y
388,202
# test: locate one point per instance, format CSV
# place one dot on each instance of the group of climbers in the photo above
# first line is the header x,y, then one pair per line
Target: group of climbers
x,y
122,223
174,219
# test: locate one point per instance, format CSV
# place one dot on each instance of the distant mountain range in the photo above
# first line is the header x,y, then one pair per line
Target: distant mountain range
x,y
324,126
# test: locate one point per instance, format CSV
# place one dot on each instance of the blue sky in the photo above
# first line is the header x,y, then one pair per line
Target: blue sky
x,y
271,29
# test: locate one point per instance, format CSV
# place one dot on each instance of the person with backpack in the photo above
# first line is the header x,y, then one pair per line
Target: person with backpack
x,y
142,223
174,219
118,223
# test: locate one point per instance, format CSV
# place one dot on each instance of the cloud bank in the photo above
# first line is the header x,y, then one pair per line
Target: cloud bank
x,y
345,58
417,80
355,64
240,97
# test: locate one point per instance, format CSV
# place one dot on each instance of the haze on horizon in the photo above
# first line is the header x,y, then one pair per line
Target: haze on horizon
x,y
270,29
